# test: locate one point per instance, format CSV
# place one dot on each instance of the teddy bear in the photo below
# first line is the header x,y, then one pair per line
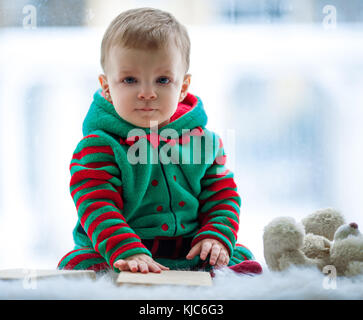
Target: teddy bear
x,y
322,239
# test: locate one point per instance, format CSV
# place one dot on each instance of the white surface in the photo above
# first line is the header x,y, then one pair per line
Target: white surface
x,y
294,283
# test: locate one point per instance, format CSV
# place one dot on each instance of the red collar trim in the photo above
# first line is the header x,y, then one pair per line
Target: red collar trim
x,y
189,102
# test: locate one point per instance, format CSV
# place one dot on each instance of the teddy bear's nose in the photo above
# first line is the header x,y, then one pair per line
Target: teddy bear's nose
x,y
353,225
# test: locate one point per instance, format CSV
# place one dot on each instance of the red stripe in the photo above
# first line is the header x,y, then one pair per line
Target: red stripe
x,y
90,150
69,253
116,239
222,184
104,234
205,218
94,164
91,136
92,207
220,143
89,174
218,175
234,231
103,217
221,195
124,248
223,206
210,227
79,258
234,223
88,184
102,194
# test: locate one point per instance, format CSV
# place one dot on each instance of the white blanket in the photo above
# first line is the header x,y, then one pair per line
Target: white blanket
x,y
295,283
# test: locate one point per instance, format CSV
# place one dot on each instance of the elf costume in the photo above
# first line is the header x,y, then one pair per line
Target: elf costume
x,y
157,207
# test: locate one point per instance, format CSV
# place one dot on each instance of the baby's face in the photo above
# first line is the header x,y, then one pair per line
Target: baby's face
x,y
145,85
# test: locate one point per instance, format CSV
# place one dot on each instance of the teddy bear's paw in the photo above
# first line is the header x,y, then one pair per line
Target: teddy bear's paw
x,y
316,247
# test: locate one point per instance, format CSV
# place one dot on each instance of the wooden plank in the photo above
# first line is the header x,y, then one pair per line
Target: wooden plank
x,y
20,274
167,277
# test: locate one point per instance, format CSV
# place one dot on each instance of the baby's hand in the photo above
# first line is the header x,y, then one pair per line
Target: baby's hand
x,y
139,262
218,252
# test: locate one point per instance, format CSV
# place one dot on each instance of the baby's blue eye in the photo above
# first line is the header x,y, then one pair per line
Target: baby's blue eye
x,y
163,80
129,80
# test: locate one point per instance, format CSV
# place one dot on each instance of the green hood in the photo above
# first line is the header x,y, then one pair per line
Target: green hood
x,y
103,116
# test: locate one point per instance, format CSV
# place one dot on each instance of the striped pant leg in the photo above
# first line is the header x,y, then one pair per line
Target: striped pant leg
x,y
84,258
240,253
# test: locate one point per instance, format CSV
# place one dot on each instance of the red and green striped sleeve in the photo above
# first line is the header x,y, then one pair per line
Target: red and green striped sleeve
x,y
96,190
219,204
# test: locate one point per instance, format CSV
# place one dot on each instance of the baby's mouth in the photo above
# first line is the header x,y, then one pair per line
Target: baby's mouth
x,y
146,109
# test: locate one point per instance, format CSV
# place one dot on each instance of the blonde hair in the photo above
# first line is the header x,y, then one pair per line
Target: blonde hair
x,y
145,28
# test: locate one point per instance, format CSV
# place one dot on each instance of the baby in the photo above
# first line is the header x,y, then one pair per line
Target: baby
x,y
180,212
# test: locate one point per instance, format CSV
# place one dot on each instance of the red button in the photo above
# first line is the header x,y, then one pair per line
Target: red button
x,y
154,183
174,178
182,225
159,208
181,203
165,227
185,139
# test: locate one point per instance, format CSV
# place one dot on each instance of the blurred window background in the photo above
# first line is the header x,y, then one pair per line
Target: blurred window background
x,y
281,82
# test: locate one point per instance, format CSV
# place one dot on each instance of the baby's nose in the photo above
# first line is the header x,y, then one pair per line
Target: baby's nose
x,y
147,95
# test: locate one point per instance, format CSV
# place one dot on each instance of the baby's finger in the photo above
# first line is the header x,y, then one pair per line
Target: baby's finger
x,y
205,250
143,267
121,265
161,266
132,264
194,251
154,268
222,259
215,253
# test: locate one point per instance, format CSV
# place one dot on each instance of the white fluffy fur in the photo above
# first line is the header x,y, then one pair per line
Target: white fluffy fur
x,y
323,222
285,243
293,283
282,240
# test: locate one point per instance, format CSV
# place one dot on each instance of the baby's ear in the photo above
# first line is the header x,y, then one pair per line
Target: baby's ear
x,y
105,87
187,79
103,82
185,86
